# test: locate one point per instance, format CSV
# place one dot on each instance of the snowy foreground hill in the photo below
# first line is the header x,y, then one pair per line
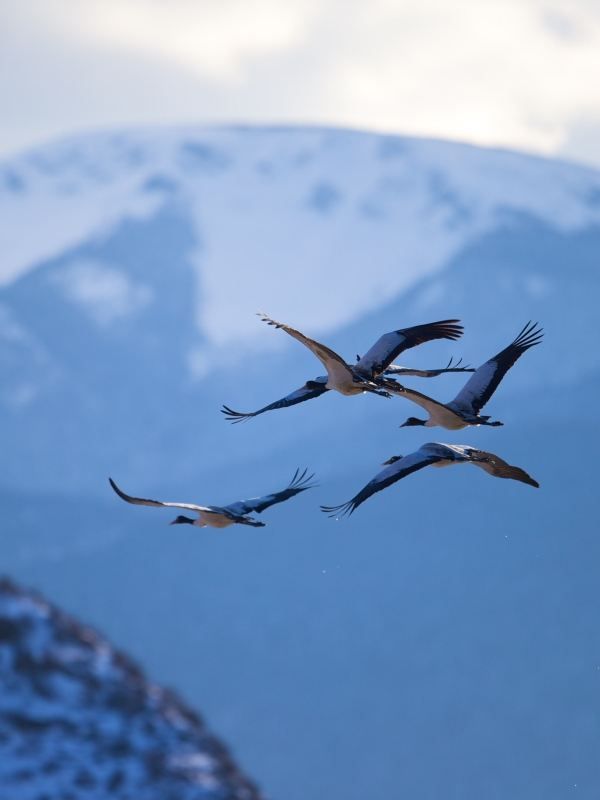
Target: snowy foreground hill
x,y
79,720
443,641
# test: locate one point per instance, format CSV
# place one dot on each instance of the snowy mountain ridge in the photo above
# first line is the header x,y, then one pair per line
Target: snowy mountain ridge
x,y
78,719
249,193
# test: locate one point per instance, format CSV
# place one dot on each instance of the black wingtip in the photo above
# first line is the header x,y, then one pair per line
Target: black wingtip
x,y
266,318
525,478
118,491
455,366
301,481
343,510
235,416
530,335
449,328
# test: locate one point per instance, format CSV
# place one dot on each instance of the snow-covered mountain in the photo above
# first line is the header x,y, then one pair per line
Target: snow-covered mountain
x,y
133,265
420,637
79,719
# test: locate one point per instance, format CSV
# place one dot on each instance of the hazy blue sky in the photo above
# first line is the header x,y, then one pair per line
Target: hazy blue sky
x,y
517,73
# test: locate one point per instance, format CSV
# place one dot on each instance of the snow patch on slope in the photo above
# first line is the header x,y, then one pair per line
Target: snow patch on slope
x,y
79,720
104,292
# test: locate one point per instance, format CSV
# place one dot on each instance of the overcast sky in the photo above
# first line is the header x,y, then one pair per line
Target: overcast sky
x,y
515,73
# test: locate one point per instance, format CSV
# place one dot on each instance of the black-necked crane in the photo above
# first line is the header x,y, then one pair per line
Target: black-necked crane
x,y
367,374
223,516
464,409
433,454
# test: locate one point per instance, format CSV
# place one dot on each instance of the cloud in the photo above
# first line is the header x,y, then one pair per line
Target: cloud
x,y
486,72
515,73
207,38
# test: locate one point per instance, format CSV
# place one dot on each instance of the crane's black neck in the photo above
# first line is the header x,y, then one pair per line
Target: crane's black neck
x,y
181,520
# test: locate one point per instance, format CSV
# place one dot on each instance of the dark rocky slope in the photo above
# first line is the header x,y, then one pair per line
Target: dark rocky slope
x,y
79,719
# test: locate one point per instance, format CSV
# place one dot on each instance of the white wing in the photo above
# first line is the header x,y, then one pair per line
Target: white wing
x,y
337,369
423,400
468,399
395,472
486,379
138,501
299,483
390,345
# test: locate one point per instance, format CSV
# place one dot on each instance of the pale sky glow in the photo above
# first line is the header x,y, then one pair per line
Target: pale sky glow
x,y
214,44
511,73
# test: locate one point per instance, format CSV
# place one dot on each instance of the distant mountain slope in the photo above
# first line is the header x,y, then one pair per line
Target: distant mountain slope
x,y
431,643
79,720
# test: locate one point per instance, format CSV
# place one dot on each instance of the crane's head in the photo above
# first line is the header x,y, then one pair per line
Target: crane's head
x,y
391,460
315,384
413,421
